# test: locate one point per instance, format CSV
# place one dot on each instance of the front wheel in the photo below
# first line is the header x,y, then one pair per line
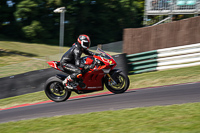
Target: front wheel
x,y
55,91
122,83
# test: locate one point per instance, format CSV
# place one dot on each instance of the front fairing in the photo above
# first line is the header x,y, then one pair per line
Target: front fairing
x,y
106,59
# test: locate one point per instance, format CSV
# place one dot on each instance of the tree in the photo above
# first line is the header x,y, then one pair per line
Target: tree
x,y
33,14
35,31
26,11
102,20
7,19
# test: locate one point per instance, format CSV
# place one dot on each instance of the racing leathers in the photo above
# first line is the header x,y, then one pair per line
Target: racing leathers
x,y
71,63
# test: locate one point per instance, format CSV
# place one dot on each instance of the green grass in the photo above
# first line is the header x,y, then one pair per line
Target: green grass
x,y
184,118
167,77
8,59
159,78
19,57
29,49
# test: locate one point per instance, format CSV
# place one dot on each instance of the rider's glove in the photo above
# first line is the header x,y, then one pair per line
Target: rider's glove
x,y
91,66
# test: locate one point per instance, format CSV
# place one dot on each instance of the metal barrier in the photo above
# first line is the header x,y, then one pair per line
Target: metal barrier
x,y
142,62
164,7
174,5
160,5
162,59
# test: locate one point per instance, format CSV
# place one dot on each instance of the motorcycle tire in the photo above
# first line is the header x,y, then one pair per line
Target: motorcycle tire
x,y
54,90
122,83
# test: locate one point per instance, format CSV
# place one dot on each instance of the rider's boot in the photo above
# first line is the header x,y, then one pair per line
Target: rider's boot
x,y
66,82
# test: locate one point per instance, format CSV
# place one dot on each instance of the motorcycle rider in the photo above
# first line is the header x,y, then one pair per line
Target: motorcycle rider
x,y
70,61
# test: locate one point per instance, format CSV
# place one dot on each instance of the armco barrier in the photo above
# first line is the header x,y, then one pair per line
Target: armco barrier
x,y
175,57
142,62
25,83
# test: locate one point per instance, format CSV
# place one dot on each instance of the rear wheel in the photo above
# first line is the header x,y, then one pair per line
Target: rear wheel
x,y
122,83
55,90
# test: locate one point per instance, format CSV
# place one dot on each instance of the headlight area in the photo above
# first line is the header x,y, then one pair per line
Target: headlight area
x,y
106,71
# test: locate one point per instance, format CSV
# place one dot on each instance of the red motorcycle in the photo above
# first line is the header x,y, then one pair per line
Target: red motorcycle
x,y
91,80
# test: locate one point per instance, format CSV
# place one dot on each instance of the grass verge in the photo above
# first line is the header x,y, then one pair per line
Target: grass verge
x,y
184,118
29,49
19,57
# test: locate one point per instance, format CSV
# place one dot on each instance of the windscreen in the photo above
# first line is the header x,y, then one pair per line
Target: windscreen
x,y
104,54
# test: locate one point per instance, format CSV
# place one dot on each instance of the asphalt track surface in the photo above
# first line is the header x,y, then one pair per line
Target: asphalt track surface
x,y
164,95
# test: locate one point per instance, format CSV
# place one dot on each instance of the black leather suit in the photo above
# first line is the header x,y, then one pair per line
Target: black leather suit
x,y
70,61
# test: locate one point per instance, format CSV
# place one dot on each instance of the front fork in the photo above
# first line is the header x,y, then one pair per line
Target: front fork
x,y
111,81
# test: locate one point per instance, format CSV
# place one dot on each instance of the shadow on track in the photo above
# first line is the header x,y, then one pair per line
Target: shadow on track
x,y
103,95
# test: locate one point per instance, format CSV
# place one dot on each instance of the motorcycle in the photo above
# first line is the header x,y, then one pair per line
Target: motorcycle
x,y
91,80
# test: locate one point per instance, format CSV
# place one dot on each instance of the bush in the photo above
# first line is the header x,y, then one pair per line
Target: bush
x,y
35,31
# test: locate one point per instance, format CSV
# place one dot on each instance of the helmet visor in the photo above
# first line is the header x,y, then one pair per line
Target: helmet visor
x,y
85,44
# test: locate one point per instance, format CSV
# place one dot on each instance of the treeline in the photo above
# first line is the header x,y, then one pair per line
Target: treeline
x,y
102,20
